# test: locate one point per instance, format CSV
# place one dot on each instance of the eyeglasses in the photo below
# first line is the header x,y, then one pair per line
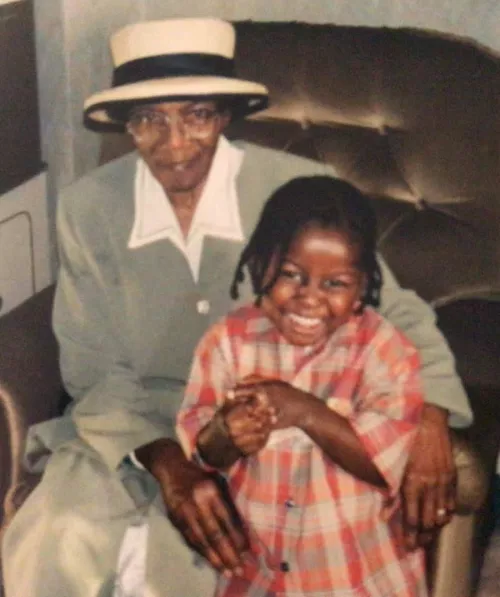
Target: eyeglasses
x,y
196,123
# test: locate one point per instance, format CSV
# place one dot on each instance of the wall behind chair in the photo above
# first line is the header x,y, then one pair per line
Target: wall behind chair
x,y
73,56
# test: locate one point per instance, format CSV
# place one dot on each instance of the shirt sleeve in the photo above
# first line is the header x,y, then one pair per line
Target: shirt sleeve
x,y
388,403
210,378
416,319
112,411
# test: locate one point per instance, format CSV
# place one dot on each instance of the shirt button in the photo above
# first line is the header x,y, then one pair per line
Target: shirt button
x,y
203,307
284,566
290,503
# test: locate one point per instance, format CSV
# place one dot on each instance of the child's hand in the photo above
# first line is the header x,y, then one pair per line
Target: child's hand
x,y
290,406
249,422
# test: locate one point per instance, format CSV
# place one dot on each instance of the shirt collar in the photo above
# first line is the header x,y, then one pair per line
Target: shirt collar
x,y
217,213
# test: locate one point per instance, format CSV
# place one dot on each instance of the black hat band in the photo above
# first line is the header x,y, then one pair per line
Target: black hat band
x,y
174,65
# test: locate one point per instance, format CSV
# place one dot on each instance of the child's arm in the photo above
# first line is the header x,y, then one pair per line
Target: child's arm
x,y
213,430
330,431
209,380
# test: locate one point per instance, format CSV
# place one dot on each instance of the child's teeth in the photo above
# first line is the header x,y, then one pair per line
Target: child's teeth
x,y
306,321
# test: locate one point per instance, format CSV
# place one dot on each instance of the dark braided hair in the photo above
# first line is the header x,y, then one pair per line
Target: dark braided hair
x,y
310,201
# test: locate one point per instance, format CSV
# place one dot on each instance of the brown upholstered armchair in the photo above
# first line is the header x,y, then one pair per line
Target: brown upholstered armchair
x,y
413,119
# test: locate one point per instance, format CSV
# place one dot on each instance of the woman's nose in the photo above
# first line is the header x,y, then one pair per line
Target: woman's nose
x,y
176,135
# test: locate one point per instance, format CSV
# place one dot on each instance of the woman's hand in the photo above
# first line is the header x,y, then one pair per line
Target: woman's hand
x,y
429,485
198,506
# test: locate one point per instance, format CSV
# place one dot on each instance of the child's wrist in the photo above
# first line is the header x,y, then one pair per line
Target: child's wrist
x,y
314,411
215,444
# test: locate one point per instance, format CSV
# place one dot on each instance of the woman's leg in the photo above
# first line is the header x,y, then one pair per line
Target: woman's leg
x,y
67,538
64,540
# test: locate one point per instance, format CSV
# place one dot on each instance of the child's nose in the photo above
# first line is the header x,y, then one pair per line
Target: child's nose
x,y
310,292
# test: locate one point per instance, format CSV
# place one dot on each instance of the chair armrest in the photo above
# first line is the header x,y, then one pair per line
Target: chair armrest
x,y
30,382
476,449
472,476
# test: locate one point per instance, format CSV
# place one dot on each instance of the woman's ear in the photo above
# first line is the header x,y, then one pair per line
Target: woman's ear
x,y
225,118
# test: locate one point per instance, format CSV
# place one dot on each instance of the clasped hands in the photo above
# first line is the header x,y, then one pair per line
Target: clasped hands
x,y
256,407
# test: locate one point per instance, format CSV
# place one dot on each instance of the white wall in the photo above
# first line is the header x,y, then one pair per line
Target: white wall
x,y
73,57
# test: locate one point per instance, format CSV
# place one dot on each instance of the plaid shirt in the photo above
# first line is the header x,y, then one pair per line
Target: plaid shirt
x,y
315,529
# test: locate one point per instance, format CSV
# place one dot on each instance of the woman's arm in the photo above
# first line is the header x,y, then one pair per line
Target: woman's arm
x,y
443,388
430,482
112,410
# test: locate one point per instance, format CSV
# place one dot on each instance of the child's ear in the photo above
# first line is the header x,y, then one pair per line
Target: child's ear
x,y
360,302
364,286
358,307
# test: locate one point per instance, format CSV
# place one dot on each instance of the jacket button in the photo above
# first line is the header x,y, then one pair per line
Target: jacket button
x,y
203,307
284,566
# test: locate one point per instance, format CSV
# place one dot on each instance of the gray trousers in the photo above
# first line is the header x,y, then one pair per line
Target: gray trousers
x,y
65,539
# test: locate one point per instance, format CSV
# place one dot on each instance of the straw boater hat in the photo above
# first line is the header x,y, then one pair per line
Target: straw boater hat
x,y
172,60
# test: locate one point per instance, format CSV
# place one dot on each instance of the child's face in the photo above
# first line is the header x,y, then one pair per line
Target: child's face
x,y
318,288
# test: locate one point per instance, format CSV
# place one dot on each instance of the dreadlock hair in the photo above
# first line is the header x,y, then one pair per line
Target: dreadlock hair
x,y
310,201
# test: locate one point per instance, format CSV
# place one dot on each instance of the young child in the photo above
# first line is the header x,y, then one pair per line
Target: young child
x,y
307,402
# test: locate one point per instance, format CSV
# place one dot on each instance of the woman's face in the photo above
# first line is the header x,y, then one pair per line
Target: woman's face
x,y
180,142
318,288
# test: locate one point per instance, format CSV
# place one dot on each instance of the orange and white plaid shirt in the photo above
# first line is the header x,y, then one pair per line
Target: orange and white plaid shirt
x,y
315,529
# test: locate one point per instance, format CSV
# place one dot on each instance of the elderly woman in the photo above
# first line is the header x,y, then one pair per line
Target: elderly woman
x,y
148,247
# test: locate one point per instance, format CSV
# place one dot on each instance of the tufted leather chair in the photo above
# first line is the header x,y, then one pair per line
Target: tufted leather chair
x,y
413,119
